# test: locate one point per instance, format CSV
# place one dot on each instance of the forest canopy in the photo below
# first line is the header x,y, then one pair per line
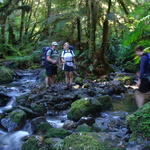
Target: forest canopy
x,y
103,32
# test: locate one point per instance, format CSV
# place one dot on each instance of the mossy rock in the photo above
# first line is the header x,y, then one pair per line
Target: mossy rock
x,y
83,108
30,144
106,102
124,79
139,121
44,127
38,108
15,120
85,141
79,81
83,128
54,133
6,75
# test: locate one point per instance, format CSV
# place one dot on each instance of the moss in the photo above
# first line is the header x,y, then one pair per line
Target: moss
x,y
84,128
44,127
106,102
139,121
17,116
124,79
6,75
54,133
30,144
79,81
82,108
84,141
38,108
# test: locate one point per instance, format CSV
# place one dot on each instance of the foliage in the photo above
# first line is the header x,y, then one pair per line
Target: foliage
x,y
6,75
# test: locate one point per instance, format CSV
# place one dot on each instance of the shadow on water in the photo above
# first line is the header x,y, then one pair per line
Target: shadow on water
x,y
124,103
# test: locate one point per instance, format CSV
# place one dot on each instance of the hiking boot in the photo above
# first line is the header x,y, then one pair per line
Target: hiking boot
x,y
53,89
70,87
67,87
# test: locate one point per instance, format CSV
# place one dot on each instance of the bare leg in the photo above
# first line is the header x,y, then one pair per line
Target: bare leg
x,y
67,76
47,81
71,77
139,98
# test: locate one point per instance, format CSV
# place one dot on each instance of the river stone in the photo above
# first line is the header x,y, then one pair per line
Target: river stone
x,y
14,121
83,108
83,128
69,125
86,120
139,121
79,81
90,141
106,102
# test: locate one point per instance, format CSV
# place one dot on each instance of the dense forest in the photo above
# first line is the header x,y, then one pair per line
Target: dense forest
x,y
103,32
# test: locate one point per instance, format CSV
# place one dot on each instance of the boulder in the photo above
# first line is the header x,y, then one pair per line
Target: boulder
x,y
79,81
83,108
14,121
139,122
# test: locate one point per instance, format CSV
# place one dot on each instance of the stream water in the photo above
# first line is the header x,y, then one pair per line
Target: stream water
x,y
13,140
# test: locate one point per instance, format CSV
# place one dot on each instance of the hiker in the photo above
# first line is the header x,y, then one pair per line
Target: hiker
x,y
69,64
52,59
143,82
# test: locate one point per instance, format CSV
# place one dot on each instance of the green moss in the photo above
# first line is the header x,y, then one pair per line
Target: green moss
x,y
84,128
44,127
30,144
78,80
106,102
17,116
139,121
82,108
6,75
54,133
84,141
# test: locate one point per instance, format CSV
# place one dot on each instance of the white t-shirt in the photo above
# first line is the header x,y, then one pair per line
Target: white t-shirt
x,y
68,57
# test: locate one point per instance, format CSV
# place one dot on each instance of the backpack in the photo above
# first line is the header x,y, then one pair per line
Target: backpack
x,y
71,47
148,55
71,51
44,52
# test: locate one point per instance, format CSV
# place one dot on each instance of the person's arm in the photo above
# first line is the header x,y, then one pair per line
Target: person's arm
x,y
48,58
143,63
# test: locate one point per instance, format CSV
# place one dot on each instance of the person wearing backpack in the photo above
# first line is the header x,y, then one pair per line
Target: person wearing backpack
x,y
143,77
52,59
68,59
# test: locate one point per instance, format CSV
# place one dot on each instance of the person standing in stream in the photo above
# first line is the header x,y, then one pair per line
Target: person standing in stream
x,y
69,64
52,59
144,73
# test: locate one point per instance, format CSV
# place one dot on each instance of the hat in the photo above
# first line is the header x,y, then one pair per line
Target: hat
x,y
54,43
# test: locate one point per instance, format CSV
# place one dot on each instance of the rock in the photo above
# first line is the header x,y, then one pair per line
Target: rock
x,y
14,121
83,128
139,121
83,108
90,141
86,120
36,121
6,75
79,81
4,98
69,125
106,102
91,92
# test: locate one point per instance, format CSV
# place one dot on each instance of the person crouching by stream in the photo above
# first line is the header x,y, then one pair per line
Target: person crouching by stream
x,y
143,82
52,59
69,64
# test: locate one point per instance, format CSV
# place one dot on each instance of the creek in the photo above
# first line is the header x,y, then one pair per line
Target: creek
x,y
24,84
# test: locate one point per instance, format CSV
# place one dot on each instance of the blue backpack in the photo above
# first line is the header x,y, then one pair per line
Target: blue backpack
x,y
44,52
148,55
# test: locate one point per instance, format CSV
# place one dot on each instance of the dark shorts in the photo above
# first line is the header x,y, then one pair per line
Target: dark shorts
x,y
145,85
51,70
68,68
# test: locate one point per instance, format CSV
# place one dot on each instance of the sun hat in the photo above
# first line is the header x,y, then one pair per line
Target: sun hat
x,y
54,43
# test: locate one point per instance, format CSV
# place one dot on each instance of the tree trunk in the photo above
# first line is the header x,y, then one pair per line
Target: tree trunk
x,y
101,64
79,32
